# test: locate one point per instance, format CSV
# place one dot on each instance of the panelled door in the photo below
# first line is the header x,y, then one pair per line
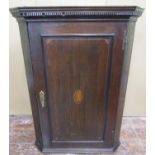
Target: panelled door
x,y
75,83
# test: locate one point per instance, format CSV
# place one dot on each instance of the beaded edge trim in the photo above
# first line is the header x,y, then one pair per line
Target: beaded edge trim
x,y
51,13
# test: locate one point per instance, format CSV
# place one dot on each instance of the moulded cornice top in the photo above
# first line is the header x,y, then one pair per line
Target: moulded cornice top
x,y
77,12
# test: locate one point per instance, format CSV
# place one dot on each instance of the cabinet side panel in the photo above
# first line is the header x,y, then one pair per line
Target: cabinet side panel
x,y
126,52
39,82
29,74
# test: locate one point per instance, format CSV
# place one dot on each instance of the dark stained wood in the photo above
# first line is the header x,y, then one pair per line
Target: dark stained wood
x,y
79,57
76,63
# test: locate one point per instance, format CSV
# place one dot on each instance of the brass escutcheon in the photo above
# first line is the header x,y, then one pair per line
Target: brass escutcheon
x,y
42,98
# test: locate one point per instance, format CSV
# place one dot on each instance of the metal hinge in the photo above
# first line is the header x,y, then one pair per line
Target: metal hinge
x,y
124,40
113,134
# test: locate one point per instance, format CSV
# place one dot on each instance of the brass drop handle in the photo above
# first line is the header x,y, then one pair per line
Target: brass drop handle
x,y
42,98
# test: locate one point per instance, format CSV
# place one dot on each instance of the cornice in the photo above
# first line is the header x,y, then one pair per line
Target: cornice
x,y
75,12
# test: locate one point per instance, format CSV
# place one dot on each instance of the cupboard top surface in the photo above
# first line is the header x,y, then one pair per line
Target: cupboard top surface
x,y
75,12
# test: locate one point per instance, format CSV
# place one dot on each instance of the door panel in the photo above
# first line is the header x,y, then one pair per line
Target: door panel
x,y
77,72
78,66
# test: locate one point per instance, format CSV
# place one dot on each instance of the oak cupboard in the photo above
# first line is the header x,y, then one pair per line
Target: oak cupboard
x,y
77,62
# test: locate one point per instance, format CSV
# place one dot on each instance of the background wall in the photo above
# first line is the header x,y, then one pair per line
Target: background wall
x,y
135,97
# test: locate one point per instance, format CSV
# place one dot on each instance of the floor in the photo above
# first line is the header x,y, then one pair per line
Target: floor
x,y
22,136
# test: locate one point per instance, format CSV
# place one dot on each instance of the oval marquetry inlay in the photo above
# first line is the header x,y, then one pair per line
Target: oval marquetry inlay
x,y
77,96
